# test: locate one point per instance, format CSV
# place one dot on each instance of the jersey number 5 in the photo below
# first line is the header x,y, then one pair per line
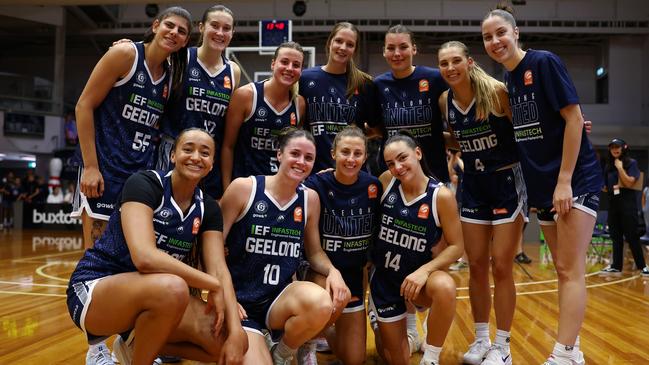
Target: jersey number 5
x,y
141,141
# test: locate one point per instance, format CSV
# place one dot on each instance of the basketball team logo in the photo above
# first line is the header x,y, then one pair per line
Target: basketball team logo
x,y
262,112
297,214
165,214
353,201
293,119
194,72
332,91
196,225
227,83
311,84
424,211
180,229
451,115
392,198
372,191
527,78
261,207
330,194
423,85
404,212
140,77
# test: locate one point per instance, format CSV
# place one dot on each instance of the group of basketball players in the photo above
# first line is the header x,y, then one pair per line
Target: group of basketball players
x,y
241,196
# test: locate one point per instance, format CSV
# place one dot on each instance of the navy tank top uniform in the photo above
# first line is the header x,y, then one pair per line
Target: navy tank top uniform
x,y
127,121
407,233
203,103
257,145
539,87
411,103
328,109
265,245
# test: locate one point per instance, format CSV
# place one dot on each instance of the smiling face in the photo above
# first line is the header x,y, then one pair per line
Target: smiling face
x,y
217,30
403,161
296,158
398,52
342,46
615,150
287,66
193,154
454,65
500,39
349,155
172,32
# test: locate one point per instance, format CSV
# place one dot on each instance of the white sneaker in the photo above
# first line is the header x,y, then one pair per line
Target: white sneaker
x,y
552,360
424,362
477,351
306,354
498,355
123,352
99,355
414,342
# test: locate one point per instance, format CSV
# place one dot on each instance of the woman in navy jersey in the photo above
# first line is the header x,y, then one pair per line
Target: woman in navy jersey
x,y
349,213
270,223
562,174
259,111
493,194
408,97
208,82
134,278
337,94
417,211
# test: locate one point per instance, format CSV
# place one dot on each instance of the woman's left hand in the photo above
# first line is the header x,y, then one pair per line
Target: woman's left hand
x,y
413,283
562,198
339,291
216,303
234,348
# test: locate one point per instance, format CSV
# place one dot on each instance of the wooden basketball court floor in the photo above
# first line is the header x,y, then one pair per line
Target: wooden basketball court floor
x,y
36,328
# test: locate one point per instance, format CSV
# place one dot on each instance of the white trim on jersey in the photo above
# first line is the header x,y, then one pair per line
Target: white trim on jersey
x,y
282,208
388,188
434,205
413,201
251,198
131,72
207,71
268,104
306,201
162,201
463,111
253,109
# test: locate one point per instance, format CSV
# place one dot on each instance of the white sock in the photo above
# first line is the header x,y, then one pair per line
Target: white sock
x,y
563,351
431,353
283,351
481,331
411,323
502,338
96,346
577,343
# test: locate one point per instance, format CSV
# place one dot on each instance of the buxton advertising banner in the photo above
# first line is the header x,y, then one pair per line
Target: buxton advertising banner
x,y
50,216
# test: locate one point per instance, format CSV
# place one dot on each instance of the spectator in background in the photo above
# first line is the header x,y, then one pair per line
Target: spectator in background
x,y
69,193
70,127
620,173
56,197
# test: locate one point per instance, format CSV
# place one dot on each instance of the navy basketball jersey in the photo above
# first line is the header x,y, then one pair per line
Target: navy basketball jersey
x,y
411,103
202,103
257,145
407,233
175,233
486,145
539,87
127,121
265,243
329,110
348,217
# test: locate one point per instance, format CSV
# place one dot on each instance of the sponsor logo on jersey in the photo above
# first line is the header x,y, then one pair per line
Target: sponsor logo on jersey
x,y
297,214
261,207
451,114
332,91
165,214
262,112
424,211
180,229
293,119
194,72
165,91
154,92
140,77
331,194
527,78
311,84
353,201
196,225
227,83
280,218
372,191
423,85
500,211
392,198
404,212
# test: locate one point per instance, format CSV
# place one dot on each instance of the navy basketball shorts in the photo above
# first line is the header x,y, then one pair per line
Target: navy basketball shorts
x,y
385,299
97,208
494,198
258,313
79,299
588,203
354,280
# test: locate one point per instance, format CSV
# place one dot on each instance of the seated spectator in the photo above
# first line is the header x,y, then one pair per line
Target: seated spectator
x,y
56,197
69,194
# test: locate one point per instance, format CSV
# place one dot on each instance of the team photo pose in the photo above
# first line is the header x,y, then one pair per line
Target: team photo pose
x,y
270,222
139,259
258,112
349,213
337,94
562,174
208,82
408,96
493,194
417,211
118,116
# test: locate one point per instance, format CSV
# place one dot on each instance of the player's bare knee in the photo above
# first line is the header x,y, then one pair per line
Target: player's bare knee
x,y
441,287
174,292
501,269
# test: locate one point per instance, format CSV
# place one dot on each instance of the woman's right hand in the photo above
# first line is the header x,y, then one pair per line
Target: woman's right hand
x,y
92,182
